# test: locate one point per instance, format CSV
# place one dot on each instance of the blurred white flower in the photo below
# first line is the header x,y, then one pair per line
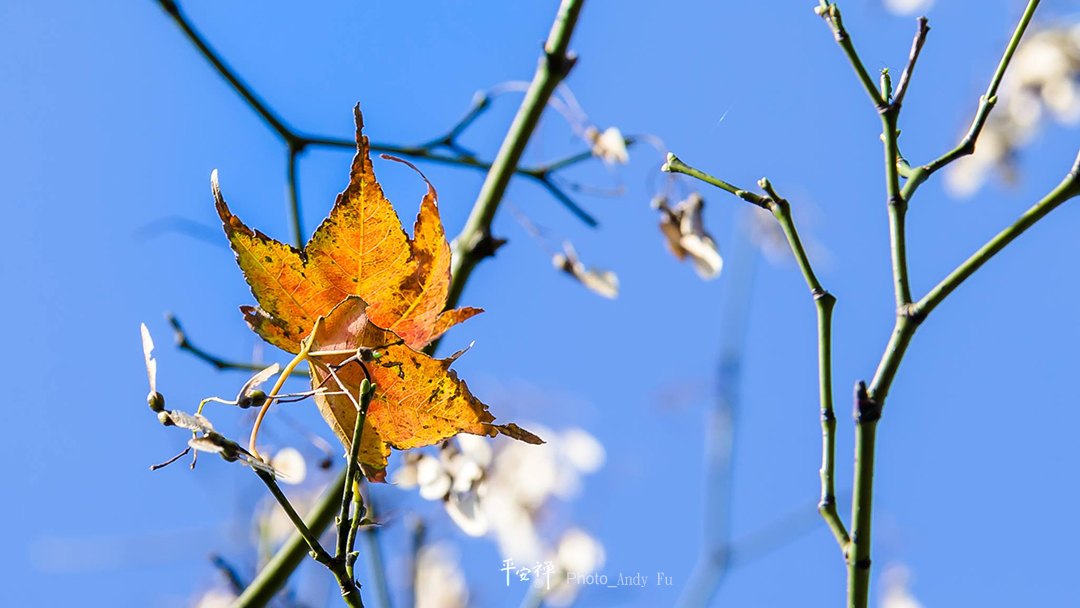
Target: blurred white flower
x,y
907,7
582,450
216,598
1043,80
272,525
609,146
501,493
432,477
895,592
439,580
465,510
577,553
290,463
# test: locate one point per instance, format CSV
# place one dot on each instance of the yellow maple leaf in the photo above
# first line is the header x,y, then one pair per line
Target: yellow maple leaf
x,y
362,283
419,400
360,250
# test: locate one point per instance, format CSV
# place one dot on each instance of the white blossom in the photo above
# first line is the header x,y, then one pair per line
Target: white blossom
x,y
907,7
290,465
609,145
216,598
1043,81
439,580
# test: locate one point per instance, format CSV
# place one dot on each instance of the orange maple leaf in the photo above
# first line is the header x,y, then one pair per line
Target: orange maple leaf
x,y
361,282
360,250
419,400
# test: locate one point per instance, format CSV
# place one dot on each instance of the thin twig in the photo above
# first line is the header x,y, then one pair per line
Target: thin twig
x,y
473,244
236,583
831,13
824,303
296,141
272,578
986,104
353,466
349,591
913,56
184,343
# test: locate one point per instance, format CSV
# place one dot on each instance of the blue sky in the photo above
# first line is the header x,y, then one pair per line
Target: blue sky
x,y
112,122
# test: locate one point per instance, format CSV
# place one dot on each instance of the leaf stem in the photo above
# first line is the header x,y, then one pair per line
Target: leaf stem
x,y
282,377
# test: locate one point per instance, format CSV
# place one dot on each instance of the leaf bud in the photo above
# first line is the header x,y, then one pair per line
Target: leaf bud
x,y
255,398
156,401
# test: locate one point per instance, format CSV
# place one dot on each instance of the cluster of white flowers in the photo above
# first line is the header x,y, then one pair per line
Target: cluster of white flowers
x,y
439,581
500,494
1043,80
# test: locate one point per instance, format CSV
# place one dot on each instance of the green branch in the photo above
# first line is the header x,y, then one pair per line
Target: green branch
x,y
352,470
298,142
986,104
824,302
831,14
350,593
474,242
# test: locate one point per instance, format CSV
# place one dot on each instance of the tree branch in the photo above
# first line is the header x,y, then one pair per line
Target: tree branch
x,y
824,303
297,141
831,14
1067,189
349,591
553,68
913,56
986,104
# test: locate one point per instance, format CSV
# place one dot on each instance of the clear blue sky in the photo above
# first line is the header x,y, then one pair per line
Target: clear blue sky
x,y
111,122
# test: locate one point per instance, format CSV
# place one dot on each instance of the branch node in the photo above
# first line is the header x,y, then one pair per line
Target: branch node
x,y
560,64
913,312
867,409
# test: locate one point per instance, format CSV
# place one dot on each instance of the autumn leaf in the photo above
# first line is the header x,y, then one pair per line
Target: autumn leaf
x,y
419,400
686,237
360,250
361,284
602,282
